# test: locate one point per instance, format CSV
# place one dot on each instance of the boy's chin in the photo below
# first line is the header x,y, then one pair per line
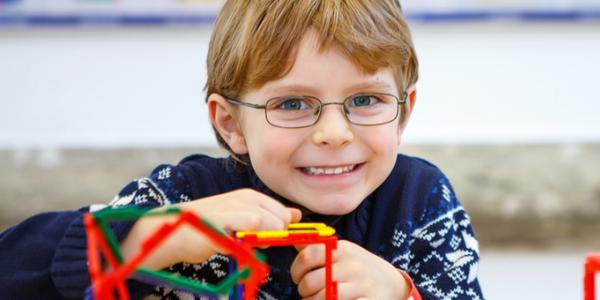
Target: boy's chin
x,y
332,207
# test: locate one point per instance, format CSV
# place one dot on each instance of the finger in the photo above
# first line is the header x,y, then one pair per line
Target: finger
x,y
239,221
312,282
252,219
300,247
276,208
269,221
296,214
311,257
345,290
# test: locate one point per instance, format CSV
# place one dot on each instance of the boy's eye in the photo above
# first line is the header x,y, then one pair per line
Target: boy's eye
x,y
363,100
292,104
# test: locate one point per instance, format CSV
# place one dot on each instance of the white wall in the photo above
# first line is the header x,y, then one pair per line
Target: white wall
x,y
508,83
111,87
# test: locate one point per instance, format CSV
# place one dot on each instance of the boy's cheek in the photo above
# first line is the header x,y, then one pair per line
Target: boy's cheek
x,y
279,143
386,139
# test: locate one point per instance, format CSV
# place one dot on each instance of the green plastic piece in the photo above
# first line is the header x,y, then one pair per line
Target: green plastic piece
x,y
260,256
194,286
130,213
112,241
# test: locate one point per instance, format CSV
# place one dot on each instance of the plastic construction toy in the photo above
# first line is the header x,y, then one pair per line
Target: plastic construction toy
x,y
250,266
249,269
592,266
300,234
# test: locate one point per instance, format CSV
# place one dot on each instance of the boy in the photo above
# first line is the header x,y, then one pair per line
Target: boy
x,y
311,99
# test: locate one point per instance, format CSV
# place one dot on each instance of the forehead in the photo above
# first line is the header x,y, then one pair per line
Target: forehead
x,y
318,69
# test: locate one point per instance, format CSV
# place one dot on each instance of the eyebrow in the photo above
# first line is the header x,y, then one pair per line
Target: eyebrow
x,y
303,88
295,88
370,85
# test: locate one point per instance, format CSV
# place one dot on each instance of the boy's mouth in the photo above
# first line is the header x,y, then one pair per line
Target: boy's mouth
x,y
328,170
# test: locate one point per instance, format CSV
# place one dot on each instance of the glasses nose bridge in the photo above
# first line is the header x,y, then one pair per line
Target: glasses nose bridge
x,y
343,104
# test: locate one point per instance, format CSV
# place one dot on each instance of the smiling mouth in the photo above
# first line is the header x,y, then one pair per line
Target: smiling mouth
x,y
328,171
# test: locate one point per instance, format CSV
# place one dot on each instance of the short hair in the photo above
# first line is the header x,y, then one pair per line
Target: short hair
x,y
255,41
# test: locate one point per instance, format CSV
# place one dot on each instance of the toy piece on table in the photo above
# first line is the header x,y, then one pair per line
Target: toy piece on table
x,y
592,266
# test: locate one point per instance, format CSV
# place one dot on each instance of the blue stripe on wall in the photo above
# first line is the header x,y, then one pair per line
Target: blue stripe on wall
x,y
521,15
8,20
101,20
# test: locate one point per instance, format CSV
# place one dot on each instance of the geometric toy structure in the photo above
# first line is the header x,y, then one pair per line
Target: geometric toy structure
x,y
300,234
250,269
592,266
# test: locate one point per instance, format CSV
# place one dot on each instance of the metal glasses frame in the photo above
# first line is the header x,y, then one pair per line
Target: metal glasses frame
x,y
320,108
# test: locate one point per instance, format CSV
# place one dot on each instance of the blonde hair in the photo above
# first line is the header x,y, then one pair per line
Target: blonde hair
x,y
255,41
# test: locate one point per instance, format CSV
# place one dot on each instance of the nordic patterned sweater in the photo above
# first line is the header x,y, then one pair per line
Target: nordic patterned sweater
x,y
413,220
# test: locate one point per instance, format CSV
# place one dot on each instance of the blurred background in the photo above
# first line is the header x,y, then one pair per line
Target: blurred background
x,y
96,93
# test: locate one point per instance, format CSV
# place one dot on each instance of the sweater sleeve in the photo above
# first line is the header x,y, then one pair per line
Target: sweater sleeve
x,y
166,184
445,248
28,250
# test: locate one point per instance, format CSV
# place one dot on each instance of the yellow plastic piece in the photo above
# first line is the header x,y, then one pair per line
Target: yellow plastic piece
x,y
320,228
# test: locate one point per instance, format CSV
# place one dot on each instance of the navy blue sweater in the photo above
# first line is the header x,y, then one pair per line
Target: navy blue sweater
x,y
413,220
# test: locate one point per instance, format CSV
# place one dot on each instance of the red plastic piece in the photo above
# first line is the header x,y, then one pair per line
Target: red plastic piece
x,y
592,265
103,283
330,242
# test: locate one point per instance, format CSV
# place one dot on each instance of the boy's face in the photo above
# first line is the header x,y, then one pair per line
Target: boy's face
x,y
286,160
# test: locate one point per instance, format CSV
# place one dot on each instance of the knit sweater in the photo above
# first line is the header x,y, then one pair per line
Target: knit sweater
x,y
413,220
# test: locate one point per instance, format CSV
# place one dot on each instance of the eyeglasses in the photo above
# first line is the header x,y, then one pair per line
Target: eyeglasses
x,y
365,109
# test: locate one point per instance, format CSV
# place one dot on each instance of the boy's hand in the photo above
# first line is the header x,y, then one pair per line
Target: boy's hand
x,y
359,273
243,209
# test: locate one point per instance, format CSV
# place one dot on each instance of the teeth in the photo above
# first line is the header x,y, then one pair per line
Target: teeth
x,y
329,171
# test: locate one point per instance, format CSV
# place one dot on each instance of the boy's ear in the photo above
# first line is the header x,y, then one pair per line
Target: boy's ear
x,y
223,119
411,99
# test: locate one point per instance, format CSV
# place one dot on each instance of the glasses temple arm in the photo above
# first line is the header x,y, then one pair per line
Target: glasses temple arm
x,y
238,102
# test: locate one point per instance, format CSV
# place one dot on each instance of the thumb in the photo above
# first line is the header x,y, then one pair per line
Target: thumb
x,y
296,214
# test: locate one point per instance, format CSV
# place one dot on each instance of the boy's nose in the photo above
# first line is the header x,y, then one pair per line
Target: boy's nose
x,y
332,129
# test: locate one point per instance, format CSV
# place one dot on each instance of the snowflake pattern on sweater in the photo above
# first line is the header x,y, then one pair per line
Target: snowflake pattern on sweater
x,y
443,251
438,250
